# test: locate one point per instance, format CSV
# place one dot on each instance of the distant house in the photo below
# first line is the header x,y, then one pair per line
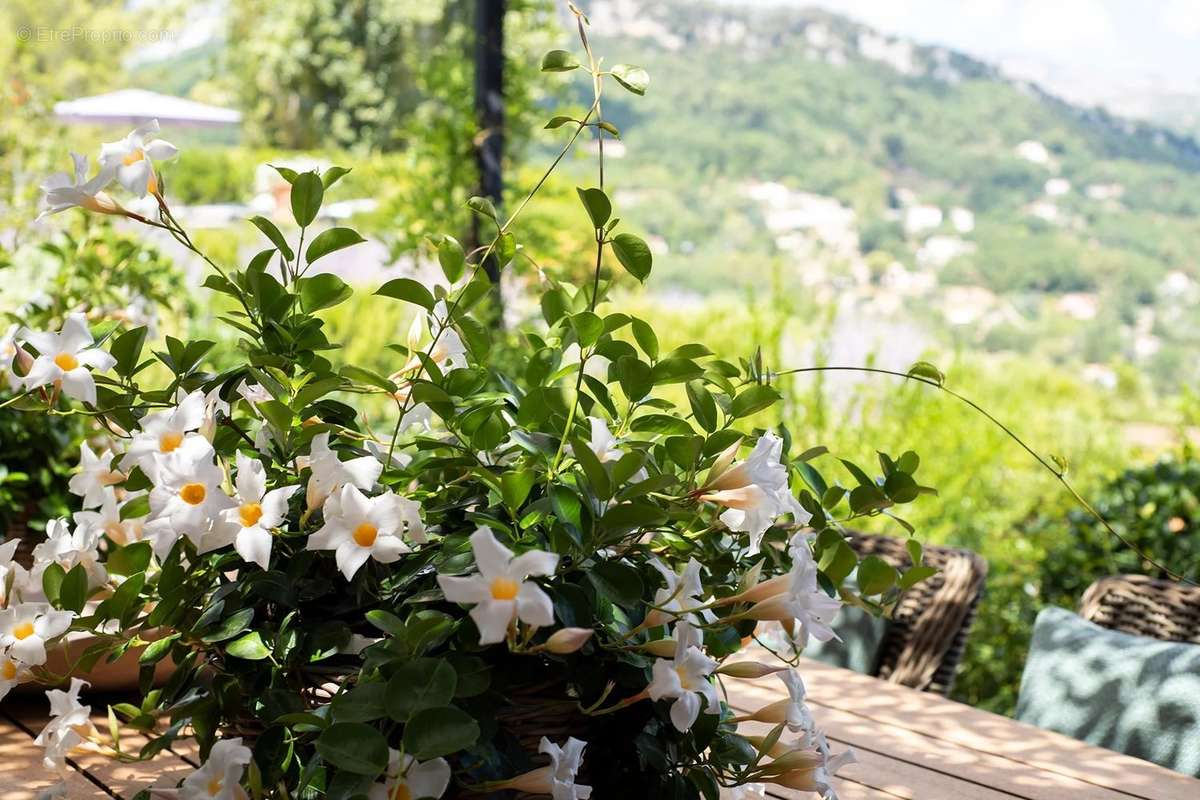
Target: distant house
x,y
918,219
135,107
1033,151
1057,187
1104,191
1078,305
938,251
963,219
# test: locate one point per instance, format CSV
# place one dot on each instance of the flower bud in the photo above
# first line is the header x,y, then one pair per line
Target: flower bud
x,y
537,781
568,640
663,648
773,608
761,591
749,669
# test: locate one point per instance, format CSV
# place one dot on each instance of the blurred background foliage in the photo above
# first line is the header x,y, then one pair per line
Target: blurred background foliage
x,y
829,271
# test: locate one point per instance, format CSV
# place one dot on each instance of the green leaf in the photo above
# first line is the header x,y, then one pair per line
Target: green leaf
x,y
588,327
277,414
386,621
633,78
307,193
249,647
363,703
419,684
634,254
136,508
619,582
286,173
558,122
157,650
52,580
332,176
330,241
704,408
915,575
594,470
646,338
322,291
675,370
74,590
230,627
408,290
436,732
752,400
130,559
127,350
484,208
515,487
923,369
452,258
875,576
367,376
597,204
559,61
354,747
273,233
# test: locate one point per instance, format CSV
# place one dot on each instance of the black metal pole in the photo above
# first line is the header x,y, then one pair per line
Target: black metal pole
x,y
489,109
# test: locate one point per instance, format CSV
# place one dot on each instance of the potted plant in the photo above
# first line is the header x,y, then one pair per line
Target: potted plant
x,y
531,582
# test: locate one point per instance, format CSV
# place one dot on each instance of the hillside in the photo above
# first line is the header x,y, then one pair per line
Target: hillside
x,y
801,142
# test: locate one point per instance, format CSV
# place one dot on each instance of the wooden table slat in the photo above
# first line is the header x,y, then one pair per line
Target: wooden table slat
x,y
932,733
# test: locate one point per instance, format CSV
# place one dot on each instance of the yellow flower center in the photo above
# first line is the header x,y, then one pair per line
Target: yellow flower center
x,y
169,441
23,631
214,787
250,513
685,680
133,158
365,534
66,362
193,493
9,671
401,792
504,589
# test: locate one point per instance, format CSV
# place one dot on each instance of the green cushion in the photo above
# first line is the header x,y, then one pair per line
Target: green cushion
x,y
862,636
1127,693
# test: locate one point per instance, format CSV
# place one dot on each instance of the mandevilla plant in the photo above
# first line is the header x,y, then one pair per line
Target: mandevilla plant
x,y
533,582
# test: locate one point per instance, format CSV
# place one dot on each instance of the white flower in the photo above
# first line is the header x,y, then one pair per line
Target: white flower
x,y
257,510
596,366
685,676
13,577
754,491
8,355
131,159
221,775
329,473
564,764
817,774
26,628
69,721
499,591
163,432
63,191
68,548
802,600
408,778
12,673
358,527
187,491
603,444
253,393
558,779
63,359
448,351
681,593
107,520
95,476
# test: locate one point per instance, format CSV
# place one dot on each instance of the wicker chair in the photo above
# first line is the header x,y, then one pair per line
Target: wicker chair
x,y
1144,606
927,633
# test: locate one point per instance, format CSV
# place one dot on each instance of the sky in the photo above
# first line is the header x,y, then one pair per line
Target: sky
x,y
1091,51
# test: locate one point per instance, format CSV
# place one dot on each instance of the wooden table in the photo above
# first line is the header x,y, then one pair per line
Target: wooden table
x,y
910,745
921,746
